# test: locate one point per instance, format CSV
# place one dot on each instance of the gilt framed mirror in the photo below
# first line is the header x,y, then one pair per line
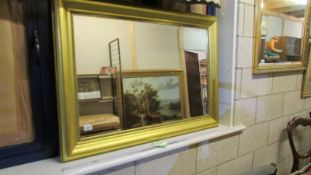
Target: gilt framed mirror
x,y
128,76
281,33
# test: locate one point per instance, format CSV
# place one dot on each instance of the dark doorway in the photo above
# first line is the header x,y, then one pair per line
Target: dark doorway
x,y
194,84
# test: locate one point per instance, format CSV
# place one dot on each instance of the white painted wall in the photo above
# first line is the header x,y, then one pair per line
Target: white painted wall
x,y
195,39
275,27
293,28
91,37
278,26
156,46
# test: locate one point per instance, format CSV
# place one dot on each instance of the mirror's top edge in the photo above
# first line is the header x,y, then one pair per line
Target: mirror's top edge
x,y
95,7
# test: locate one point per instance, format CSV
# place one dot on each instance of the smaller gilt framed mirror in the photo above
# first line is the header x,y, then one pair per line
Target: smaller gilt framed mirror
x,y
281,33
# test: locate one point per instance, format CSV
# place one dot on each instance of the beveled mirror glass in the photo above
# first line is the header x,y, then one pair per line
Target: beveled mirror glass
x,y
128,76
280,27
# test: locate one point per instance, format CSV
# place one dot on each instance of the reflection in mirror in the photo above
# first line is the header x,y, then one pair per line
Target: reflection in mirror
x,y
134,74
282,26
151,98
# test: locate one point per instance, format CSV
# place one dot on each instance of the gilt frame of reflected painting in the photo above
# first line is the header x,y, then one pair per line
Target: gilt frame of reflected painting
x,y
75,146
274,57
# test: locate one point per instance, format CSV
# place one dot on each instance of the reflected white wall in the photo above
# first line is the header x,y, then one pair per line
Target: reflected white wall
x,y
157,46
91,37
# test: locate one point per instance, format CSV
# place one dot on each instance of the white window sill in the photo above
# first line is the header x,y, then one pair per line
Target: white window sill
x,y
112,159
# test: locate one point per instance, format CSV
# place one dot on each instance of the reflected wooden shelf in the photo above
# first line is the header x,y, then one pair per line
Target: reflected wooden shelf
x,y
104,76
99,100
106,99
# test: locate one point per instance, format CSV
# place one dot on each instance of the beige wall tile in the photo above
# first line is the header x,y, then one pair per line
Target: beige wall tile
x,y
216,152
241,8
180,163
238,166
277,129
284,166
266,155
262,170
284,82
225,114
304,114
284,150
255,85
269,107
238,82
278,150
249,21
211,171
292,102
272,153
245,52
307,103
245,111
253,137
299,81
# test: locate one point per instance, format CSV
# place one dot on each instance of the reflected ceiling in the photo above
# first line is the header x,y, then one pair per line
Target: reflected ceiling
x,y
288,7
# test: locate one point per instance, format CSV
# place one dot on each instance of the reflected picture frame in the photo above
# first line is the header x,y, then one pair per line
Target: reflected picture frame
x,y
264,69
74,147
136,83
306,81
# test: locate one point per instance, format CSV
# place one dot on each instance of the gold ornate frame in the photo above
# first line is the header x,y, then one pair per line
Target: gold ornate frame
x,y
256,48
74,147
306,83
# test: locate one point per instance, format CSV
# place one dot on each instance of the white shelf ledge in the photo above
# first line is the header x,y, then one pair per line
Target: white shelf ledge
x,y
117,158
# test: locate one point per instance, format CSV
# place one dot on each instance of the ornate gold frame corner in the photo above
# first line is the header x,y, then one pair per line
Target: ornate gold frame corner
x,y
257,39
71,145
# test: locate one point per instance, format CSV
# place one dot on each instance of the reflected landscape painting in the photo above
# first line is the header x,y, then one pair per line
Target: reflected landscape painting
x,y
152,99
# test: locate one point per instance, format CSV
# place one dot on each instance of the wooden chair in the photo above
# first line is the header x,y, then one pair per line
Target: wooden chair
x,y
293,124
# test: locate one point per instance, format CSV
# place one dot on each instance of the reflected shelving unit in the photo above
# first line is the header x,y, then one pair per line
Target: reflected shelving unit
x,y
100,103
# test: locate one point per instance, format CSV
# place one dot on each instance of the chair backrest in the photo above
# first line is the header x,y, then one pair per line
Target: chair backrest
x,y
294,123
